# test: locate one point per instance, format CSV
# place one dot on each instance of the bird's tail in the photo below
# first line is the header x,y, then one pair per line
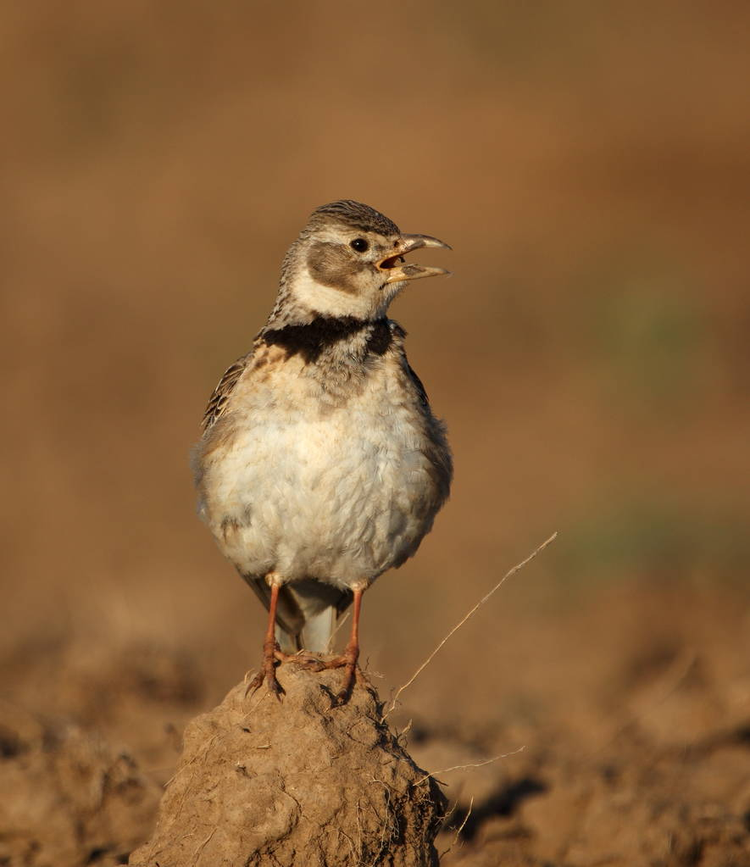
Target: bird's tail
x,y
316,635
306,614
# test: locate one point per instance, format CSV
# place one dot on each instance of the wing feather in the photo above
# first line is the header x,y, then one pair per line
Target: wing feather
x,y
220,397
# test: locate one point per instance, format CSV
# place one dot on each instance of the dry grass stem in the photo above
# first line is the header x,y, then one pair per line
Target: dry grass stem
x,y
199,850
457,834
508,574
336,630
463,824
471,764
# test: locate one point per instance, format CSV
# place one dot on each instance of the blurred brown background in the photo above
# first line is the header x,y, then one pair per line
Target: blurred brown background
x,y
590,165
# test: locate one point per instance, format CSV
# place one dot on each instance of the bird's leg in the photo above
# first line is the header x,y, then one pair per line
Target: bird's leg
x,y
348,660
271,652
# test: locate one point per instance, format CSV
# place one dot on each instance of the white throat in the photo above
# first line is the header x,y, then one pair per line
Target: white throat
x,y
327,301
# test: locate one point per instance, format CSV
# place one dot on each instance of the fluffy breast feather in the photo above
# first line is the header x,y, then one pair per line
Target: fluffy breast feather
x,y
323,469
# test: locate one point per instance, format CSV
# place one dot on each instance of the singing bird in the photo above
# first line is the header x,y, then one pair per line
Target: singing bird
x,y
321,464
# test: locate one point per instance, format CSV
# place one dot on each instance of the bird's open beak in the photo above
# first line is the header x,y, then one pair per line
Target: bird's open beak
x,y
399,270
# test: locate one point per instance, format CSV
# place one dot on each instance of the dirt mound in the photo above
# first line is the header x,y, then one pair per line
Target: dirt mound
x,y
66,797
301,782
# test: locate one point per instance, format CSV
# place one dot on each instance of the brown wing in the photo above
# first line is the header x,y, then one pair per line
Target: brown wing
x,y
217,403
436,446
418,386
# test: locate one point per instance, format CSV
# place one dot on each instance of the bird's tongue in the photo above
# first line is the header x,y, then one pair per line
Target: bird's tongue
x,y
392,261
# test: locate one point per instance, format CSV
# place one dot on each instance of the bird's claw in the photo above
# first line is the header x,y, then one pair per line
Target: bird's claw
x,y
308,661
267,672
350,680
276,688
347,661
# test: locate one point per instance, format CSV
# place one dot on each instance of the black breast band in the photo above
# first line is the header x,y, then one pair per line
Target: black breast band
x,y
311,339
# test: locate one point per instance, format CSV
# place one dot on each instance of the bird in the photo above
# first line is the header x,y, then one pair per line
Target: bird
x,y
321,465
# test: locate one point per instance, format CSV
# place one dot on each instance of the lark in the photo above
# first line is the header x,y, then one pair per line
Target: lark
x,y
321,465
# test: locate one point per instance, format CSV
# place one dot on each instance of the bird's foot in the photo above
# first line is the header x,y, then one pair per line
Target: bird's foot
x,y
309,661
313,662
347,661
271,656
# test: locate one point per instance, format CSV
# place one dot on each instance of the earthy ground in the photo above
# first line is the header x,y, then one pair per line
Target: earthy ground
x,y
590,166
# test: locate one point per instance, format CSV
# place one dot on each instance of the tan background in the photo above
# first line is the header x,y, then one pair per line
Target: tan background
x,y
590,165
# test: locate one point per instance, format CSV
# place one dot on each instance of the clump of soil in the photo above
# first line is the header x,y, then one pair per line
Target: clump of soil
x,y
303,782
66,797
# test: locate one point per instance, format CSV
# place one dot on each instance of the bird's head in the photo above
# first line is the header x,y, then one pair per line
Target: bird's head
x,y
349,261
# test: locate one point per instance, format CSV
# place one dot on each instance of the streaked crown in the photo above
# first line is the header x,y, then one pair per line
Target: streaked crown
x,y
354,215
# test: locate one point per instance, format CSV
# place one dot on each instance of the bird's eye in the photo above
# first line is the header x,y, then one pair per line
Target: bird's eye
x,y
360,245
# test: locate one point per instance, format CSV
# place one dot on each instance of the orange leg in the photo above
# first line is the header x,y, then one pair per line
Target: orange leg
x,y
348,660
271,652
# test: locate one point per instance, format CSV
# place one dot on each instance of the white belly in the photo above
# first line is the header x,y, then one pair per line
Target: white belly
x,y
340,497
